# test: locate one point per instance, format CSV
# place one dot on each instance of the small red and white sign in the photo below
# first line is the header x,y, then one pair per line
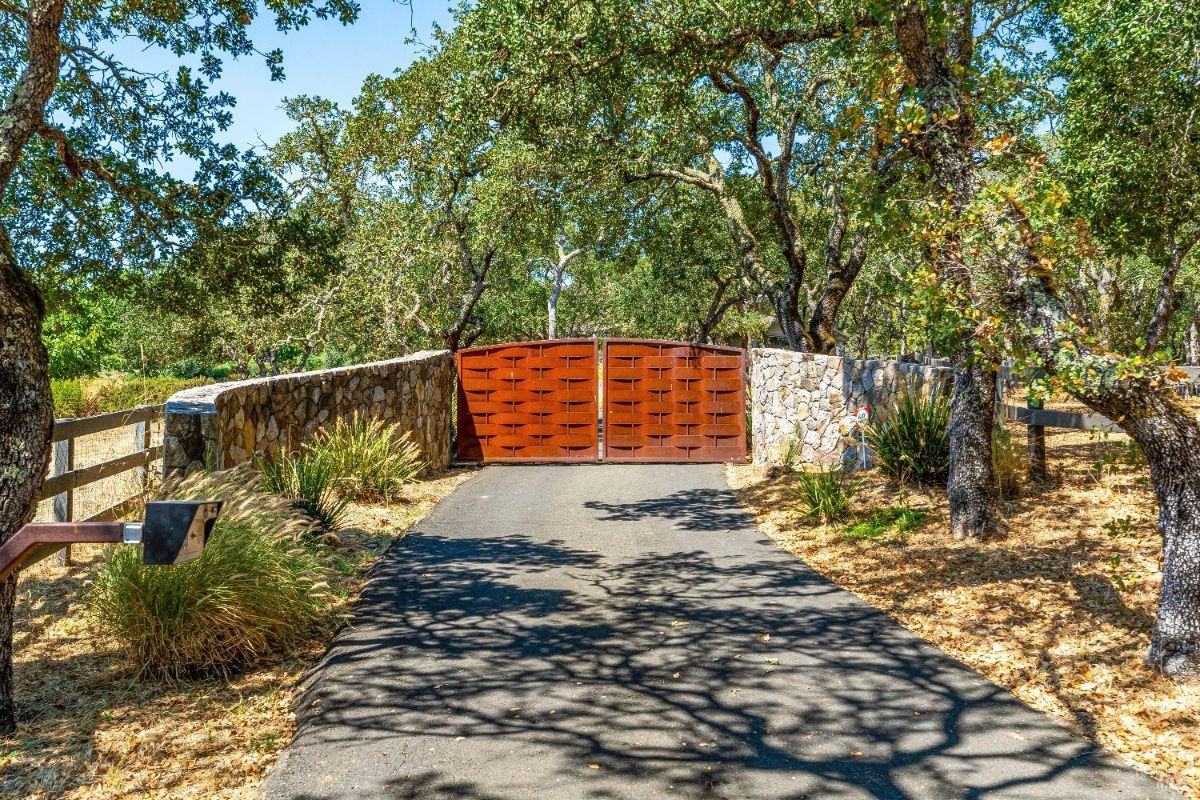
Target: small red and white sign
x,y
863,415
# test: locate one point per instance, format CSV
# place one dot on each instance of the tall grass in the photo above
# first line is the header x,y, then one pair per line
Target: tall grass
x,y
826,494
252,594
1008,463
911,440
369,459
82,397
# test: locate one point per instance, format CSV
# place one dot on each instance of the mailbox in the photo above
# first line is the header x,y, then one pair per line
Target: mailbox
x,y
175,531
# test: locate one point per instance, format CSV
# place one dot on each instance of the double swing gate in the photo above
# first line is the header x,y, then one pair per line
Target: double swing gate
x,y
562,401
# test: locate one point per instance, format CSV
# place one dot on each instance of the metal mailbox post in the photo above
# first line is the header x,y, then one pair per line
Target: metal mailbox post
x,y
174,531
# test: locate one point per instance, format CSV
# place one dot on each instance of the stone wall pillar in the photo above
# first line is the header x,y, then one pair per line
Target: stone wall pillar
x,y
803,405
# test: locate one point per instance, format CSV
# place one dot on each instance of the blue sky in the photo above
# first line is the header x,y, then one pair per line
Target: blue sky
x,y
325,58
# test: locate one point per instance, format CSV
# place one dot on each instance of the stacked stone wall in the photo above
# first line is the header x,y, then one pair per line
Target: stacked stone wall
x,y
805,404
226,424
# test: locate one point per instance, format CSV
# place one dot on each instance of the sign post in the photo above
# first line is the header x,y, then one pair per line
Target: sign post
x,y
862,417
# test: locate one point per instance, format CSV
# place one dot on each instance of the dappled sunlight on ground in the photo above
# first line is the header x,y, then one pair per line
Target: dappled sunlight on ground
x,y
1044,611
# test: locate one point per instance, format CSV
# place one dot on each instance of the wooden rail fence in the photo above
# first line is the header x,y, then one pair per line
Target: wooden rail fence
x,y
65,478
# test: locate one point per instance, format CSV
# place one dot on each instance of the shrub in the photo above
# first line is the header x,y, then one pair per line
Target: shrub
x,y
308,481
368,459
911,441
901,521
826,493
68,398
253,593
116,393
185,368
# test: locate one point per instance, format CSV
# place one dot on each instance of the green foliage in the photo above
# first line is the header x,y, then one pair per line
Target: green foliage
x,y
68,398
1114,456
1129,102
911,440
367,458
826,494
310,482
1121,526
886,521
83,337
254,592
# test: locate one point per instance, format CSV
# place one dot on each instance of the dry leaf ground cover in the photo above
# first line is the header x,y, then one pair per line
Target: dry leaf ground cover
x,y
90,730
1058,611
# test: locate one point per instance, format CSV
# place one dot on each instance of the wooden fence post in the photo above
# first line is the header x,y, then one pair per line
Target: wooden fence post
x,y
64,504
141,443
1036,438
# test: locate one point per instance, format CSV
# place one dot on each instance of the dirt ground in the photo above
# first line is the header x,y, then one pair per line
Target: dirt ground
x,y
1058,610
89,730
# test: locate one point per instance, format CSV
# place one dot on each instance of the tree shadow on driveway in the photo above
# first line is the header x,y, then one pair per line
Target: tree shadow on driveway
x,y
507,666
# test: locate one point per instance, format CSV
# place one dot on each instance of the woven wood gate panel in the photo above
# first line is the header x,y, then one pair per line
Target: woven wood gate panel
x,y
532,401
673,401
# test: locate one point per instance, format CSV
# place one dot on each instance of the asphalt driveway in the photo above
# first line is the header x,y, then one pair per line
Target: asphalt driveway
x,y
625,632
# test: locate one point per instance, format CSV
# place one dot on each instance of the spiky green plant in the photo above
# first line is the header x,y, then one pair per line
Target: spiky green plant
x,y
309,481
826,494
911,440
368,458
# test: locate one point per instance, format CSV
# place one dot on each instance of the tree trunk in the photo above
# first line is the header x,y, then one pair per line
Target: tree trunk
x,y
842,271
717,308
1168,296
938,56
26,408
970,488
552,311
786,299
565,257
1153,415
26,417
1192,347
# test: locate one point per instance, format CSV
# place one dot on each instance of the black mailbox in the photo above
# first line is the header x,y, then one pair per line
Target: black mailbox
x,y
175,531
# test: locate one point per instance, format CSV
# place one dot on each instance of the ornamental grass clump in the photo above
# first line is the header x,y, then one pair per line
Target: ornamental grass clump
x,y
254,592
826,494
911,440
368,459
309,481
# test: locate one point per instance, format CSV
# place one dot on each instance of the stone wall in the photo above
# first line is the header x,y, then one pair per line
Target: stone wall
x,y
228,423
808,402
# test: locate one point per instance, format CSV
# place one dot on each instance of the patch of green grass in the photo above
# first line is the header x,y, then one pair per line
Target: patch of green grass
x,y
886,521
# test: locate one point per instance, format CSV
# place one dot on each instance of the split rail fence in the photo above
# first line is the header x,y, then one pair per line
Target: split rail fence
x,y
66,478
1038,419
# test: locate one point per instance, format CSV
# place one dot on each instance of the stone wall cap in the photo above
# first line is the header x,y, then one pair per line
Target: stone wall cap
x,y
203,399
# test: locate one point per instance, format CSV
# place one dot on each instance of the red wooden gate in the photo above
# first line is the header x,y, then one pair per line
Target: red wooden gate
x,y
663,402
673,401
532,401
